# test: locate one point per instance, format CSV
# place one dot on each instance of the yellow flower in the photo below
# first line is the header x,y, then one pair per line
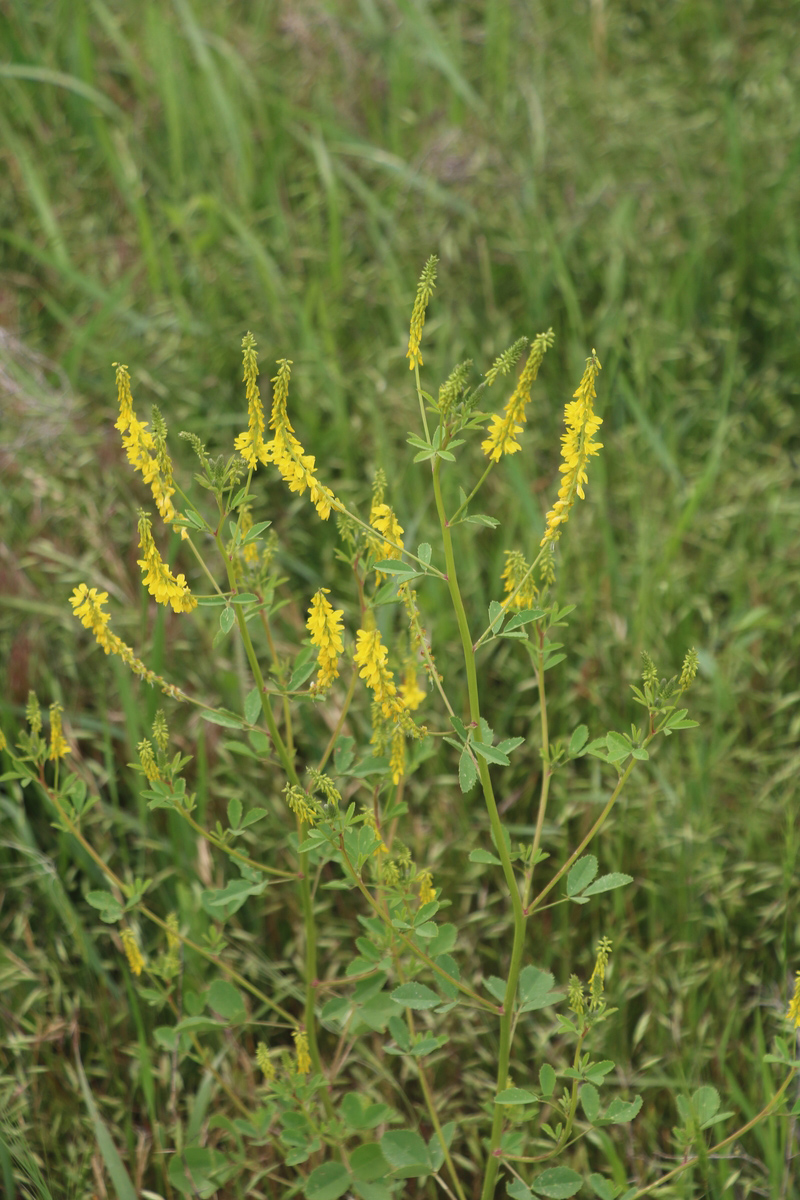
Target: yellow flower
x,y
390,544
158,579
427,282
427,891
371,822
325,627
141,449
502,435
576,449
301,1049
300,804
296,467
517,574
371,656
411,693
132,951
3,742
250,551
793,1014
251,444
87,605
58,746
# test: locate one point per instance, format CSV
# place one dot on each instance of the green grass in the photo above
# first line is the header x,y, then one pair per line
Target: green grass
x,y
179,173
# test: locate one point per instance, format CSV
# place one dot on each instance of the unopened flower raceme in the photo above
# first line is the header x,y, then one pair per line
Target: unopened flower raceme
x,y
132,951
427,283
58,745
577,447
502,434
302,1052
325,627
158,579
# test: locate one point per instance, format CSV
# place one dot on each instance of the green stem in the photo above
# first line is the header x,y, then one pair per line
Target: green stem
x,y
472,495
303,881
506,1018
546,773
589,836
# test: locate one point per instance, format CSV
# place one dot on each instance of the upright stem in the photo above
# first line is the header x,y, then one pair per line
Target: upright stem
x,y
304,884
506,1019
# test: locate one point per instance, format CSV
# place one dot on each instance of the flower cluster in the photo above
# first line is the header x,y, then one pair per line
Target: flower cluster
x,y
142,449
301,804
371,656
427,282
411,693
502,435
793,1014
427,892
251,444
577,447
87,605
58,745
324,624
390,543
520,589
302,1052
158,579
132,951
284,450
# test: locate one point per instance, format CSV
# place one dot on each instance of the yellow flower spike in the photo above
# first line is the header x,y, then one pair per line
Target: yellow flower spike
x,y
295,466
132,951
411,693
148,762
502,434
689,669
577,447
251,444
58,745
302,1052
793,1014
427,892
516,570
3,742
300,804
598,976
158,579
371,656
250,552
87,605
427,282
142,450
324,624
390,544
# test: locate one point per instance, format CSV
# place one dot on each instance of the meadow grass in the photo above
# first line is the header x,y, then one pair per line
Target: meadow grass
x,y
182,173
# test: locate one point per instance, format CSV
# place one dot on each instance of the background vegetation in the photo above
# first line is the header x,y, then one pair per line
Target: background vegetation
x,y
629,173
